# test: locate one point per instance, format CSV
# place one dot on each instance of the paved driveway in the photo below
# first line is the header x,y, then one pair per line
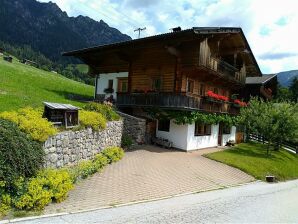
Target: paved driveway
x,y
149,173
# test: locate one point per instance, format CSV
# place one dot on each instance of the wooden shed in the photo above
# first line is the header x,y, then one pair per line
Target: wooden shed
x,y
62,114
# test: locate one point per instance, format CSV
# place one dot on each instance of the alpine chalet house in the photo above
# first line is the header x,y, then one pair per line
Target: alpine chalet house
x,y
200,69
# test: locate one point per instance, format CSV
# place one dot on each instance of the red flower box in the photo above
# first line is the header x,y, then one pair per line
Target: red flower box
x,y
240,103
217,96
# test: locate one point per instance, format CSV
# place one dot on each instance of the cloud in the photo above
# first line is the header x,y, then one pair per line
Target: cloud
x,y
276,56
271,31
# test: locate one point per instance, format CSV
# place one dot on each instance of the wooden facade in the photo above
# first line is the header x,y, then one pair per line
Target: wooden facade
x,y
175,70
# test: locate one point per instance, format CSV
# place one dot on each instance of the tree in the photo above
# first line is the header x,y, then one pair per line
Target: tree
x,y
294,89
276,122
283,94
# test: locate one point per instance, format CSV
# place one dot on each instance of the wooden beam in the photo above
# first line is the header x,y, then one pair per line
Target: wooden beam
x,y
129,77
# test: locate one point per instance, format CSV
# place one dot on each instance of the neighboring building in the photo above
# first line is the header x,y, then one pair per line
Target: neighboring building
x,y
264,87
181,70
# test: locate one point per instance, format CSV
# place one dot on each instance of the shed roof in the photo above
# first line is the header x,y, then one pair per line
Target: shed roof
x,y
60,106
259,80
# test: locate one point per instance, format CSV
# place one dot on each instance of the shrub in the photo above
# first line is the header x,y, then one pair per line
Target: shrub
x,y
113,154
19,155
92,119
86,168
126,141
48,185
106,110
31,122
59,182
5,202
100,161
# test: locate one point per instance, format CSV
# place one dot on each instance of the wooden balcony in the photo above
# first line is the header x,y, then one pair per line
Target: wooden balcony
x,y
177,101
224,68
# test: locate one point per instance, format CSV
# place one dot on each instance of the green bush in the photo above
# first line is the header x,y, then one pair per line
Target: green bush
x,y
92,119
113,154
5,203
126,141
59,182
48,185
19,155
86,168
31,122
100,161
106,110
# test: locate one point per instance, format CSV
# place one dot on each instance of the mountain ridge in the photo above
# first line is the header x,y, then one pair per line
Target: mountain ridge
x,y
49,30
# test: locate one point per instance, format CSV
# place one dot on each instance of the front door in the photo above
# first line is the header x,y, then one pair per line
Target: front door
x,y
220,134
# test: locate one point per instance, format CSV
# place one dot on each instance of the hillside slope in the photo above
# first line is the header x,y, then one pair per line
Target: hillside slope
x,y
285,78
22,85
49,30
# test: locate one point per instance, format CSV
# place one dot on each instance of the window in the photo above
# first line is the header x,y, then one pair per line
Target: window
x,y
110,84
202,90
164,125
122,85
202,129
190,85
226,130
156,84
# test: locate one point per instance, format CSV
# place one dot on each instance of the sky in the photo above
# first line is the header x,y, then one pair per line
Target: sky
x,y
271,26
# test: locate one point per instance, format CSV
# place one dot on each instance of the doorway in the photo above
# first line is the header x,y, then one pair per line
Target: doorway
x,y
220,128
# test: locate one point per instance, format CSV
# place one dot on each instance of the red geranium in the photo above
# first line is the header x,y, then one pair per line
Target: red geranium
x,y
242,104
216,96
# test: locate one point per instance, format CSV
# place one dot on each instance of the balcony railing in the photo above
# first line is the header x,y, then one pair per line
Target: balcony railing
x,y
224,68
165,100
179,101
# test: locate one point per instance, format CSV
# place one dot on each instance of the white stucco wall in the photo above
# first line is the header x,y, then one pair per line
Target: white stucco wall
x,y
228,137
199,142
177,135
103,82
183,137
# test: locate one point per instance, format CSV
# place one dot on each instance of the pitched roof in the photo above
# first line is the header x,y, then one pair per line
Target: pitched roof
x,y
60,106
192,32
259,80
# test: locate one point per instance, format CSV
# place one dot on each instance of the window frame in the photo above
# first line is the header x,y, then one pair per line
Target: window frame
x,y
154,82
166,125
190,84
225,128
110,83
202,90
206,129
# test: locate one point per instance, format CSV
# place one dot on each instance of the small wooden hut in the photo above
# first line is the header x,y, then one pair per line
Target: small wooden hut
x,y
62,114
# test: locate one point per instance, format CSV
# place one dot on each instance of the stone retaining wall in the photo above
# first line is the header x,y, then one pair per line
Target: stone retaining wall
x,y
134,127
69,147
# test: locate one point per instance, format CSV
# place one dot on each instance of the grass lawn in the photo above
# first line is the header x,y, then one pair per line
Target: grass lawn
x,y
23,85
252,159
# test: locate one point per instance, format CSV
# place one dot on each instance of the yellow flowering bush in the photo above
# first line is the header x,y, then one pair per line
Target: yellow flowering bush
x,y
31,122
59,183
5,202
92,119
113,154
48,185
